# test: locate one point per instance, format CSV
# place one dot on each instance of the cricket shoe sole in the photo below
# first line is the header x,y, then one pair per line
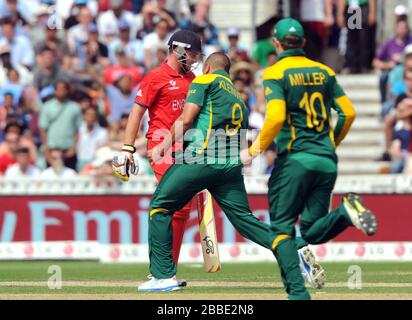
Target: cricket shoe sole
x,y
362,218
312,271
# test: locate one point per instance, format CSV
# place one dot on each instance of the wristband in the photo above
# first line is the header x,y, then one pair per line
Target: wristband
x,y
128,148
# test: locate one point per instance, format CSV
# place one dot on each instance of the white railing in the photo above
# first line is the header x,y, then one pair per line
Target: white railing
x,y
145,185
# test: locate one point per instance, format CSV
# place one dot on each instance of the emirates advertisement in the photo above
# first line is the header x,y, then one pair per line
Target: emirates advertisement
x,y
124,219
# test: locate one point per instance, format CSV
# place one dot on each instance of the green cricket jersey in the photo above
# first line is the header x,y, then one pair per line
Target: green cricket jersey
x,y
310,91
215,139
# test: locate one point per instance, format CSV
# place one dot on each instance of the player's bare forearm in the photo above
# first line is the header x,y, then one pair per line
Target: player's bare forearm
x,y
133,124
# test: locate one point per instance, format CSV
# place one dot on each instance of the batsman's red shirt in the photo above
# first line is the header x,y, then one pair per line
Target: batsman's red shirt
x,y
163,92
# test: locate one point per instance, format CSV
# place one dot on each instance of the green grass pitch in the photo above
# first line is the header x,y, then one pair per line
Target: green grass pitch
x,y
92,280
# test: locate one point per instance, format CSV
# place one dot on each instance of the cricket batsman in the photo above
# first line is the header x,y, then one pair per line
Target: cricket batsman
x,y
163,93
300,94
216,114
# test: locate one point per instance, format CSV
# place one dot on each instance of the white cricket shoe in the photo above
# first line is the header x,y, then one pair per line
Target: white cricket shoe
x,y
311,270
154,284
181,282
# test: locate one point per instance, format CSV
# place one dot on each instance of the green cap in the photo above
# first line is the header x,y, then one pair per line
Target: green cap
x,y
288,27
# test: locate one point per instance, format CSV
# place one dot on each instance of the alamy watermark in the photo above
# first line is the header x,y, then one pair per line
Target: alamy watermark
x,y
55,280
213,146
355,278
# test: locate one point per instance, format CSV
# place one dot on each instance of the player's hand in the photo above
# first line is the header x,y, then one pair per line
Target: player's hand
x,y
155,154
125,163
245,157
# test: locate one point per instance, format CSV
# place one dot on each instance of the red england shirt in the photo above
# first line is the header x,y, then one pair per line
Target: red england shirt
x,y
163,91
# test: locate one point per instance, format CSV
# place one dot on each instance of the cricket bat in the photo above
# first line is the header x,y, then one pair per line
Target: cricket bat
x,y
207,230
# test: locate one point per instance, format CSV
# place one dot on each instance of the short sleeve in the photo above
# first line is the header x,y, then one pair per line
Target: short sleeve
x,y
147,92
383,52
273,90
197,94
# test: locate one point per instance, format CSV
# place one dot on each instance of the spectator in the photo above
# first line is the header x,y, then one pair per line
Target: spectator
x,y
123,66
401,12
403,127
79,34
76,6
57,169
133,48
316,17
91,56
15,127
10,112
121,97
234,51
22,168
162,11
396,84
60,119
91,137
360,46
390,54
201,20
52,41
263,48
149,21
48,70
102,164
14,13
108,21
152,41
21,49
130,5
11,141
25,75
13,86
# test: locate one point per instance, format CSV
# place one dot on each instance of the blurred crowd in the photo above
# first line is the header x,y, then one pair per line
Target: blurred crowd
x,y
70,70
394,61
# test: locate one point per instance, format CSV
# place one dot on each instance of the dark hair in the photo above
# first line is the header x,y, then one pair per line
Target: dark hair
x,y
23,150
63,82
292,42
7,20
219,60
46,48
13,123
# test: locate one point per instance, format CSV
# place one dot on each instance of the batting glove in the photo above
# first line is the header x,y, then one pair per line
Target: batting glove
x,y
125,163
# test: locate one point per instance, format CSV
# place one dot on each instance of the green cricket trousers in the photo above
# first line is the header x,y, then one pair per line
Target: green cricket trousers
x,y
302,184
180,184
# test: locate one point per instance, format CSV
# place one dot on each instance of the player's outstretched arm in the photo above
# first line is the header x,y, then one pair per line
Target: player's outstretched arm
x,y
275,117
